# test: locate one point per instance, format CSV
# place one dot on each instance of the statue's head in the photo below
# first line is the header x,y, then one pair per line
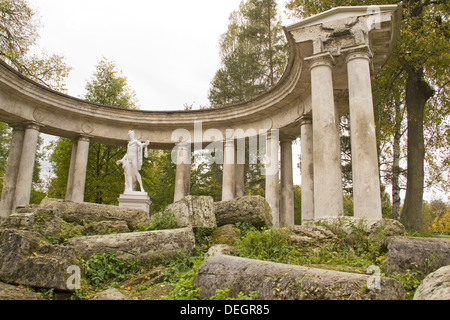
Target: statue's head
x,y
131,134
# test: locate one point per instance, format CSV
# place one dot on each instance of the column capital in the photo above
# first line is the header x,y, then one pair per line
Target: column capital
x,y
305,119
321,59
33,125
273,134
357,52
287,138
83,138
229,143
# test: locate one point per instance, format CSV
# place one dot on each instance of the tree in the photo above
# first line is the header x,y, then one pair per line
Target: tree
x,y
104,178
253,54
18,34
390,115
108,87
158,175
421,60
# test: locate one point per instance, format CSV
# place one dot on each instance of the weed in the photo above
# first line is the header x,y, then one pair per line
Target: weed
x,y
409,280
160,221
274,245
104,270
224,295
181,273
203,236
244,227
66,231
271,245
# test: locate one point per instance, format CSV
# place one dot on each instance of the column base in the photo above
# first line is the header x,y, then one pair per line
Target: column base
x,y
135,200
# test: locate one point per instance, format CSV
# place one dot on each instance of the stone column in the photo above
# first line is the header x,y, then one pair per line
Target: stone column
x,y
307,169
240,168
12,171
240,180
73,157
328,195
272,175
287,216
366,182
80,169
26,166
229,171
183,172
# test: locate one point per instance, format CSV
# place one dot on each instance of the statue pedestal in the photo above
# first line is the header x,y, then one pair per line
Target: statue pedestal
x,y
135,200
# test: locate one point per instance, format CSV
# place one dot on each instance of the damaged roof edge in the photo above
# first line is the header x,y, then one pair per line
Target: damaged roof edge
x,y
342,13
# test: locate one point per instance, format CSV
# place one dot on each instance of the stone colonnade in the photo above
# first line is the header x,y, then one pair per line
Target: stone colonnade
x,y
321,167
322,192
328,53
279,193
322,195
20,167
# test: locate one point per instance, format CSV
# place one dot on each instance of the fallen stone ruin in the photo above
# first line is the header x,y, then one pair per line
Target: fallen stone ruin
x,y
27,258
273,281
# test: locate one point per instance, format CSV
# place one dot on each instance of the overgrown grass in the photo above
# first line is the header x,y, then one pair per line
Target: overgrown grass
x,y
103,271
358,251
410,281
160,221
274,245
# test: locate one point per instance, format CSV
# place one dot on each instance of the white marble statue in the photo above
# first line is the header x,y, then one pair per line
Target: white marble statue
x,y
132,163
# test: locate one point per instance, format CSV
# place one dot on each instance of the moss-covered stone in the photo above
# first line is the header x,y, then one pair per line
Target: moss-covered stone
x,y
274,281
27,259
227,234
12,293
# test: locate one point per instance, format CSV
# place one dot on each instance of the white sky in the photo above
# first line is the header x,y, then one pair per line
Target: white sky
x,y
168,50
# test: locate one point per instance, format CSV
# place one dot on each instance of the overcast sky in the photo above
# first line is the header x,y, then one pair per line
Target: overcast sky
x,y
168,50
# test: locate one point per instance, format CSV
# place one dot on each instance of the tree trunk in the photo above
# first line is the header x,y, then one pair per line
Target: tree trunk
x,y
396,165
417,94
271,72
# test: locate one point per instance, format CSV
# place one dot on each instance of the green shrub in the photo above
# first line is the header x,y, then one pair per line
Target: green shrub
x,y
271,245
160,221
180,273
410,281
223,295
104,270
274,245
66,231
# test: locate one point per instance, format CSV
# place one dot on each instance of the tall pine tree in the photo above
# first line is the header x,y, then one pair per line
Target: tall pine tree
x,y
253,54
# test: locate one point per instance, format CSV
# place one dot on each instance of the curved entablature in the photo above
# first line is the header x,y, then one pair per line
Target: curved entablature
x,y
23,101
